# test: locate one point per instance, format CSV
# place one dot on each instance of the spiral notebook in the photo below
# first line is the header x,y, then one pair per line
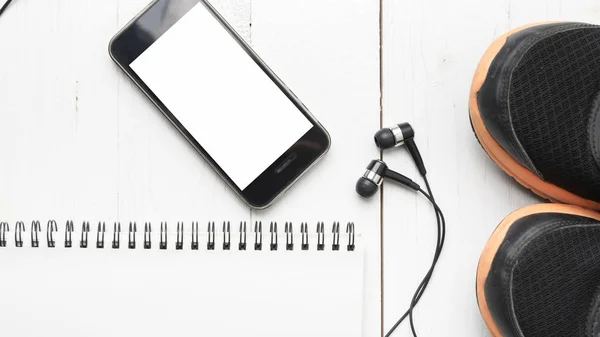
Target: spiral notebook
x,y
180,279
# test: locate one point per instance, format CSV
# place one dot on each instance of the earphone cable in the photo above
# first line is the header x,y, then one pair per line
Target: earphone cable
x,y
441,237
5,6
441,240
424,283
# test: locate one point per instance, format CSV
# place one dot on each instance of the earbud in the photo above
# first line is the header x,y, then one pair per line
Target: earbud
x,y
398,135
393,136
369,183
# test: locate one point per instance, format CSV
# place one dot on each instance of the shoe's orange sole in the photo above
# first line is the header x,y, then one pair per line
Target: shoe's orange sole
x,y
506,162
495,241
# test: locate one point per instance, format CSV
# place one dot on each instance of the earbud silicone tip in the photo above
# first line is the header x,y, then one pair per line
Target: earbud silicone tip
x,y
366,188
384,139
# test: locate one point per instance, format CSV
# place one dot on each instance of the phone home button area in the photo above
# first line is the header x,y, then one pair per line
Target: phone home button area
x,y
286,163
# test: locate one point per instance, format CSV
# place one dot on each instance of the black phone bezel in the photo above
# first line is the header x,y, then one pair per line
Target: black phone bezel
x,y
149,26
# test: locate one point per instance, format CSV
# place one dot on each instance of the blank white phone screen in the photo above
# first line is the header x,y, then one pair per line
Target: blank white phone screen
x,y
221,96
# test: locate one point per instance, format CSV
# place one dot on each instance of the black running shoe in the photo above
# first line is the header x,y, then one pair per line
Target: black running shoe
x,y
539,275
535,108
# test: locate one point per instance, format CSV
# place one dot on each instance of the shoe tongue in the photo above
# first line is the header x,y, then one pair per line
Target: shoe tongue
x,y
593,321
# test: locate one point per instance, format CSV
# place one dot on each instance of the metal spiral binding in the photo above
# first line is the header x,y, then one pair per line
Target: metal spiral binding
x,y
336,236
116,243
242,244
52,230
163,235
69,229
100,235
351,236
304,232
289,236
85,230
210,244
258,235
35,229
273,230
132,233
226,236
179,242
147,235
19,229
195,236
320,236
4,228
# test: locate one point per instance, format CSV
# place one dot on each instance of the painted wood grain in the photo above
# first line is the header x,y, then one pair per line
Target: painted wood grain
x,y
79,141
430,52
58,120
327,52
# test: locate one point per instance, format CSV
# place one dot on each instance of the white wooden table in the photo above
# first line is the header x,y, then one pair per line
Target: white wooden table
x,y
79,141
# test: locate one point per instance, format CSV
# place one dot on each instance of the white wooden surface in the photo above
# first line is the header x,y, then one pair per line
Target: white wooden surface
x,y
430,52
78,140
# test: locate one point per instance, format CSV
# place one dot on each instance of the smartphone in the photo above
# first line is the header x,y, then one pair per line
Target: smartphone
x,y
221,96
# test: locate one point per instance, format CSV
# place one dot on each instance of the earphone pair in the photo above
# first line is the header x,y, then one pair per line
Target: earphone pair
x,y
377,171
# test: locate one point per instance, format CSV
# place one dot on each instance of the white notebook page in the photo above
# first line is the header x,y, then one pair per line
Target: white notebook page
x,y
105,292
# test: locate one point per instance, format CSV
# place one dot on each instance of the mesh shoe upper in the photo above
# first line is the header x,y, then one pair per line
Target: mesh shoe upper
x,y
541,102
553,95
593,322
545,276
